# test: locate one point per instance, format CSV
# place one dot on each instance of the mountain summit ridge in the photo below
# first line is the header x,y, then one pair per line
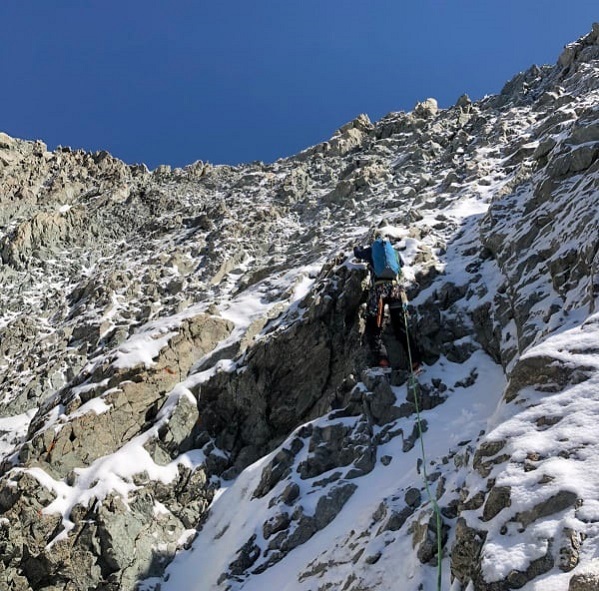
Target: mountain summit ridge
x,y
183,375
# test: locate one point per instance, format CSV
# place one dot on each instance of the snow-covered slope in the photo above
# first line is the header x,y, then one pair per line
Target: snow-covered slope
x,y
184,386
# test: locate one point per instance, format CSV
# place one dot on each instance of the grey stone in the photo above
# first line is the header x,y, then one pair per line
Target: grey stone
x,y
247,556
290,494
584,134
425,538
413,497
541,370
558,502
277,469
426,109
577,160
397,519
584,582
382,403
282,387
329,506
488,449
544,148
276,524
583,157
476,501
464,101
499,498
465,552
517,579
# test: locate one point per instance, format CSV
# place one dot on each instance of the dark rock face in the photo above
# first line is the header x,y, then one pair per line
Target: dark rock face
x,y
289,378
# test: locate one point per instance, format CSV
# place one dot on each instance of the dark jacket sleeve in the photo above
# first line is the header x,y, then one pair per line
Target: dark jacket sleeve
x,y
364,254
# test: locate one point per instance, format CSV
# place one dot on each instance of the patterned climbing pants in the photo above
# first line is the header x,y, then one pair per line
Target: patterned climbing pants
x,y
387,293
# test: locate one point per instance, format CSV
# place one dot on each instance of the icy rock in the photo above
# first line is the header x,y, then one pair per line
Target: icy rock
x,y
130,393
476,501
573,162
426,109
585,133
544,148
488,449
276,524
175,436
304,526
247,556
413,497
558,502
540,370
381,403
281,386
517,579
330,505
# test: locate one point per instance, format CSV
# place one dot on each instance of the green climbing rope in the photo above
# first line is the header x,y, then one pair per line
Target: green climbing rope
x,y
414,386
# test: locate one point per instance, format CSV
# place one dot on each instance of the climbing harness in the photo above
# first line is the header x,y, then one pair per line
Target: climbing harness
x,y
414,386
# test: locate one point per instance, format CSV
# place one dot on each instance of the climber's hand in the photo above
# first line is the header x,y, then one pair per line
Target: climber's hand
x,y
404,299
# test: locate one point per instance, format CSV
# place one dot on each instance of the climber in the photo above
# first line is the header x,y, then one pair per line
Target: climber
x,y
384,264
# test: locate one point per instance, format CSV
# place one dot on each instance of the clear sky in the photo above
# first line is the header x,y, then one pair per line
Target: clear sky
x,y
231,81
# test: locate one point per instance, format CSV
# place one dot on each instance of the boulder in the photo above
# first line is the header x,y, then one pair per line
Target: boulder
x,y
497,500
426,109
465,552
586,578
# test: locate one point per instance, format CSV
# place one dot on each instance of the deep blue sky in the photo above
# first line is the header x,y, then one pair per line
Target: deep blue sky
x,y
231,81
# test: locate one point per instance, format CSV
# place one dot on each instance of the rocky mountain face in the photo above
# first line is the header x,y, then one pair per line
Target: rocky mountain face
x,y
170,334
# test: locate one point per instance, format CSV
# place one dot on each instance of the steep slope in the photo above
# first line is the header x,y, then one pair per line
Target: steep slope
x,y
190,338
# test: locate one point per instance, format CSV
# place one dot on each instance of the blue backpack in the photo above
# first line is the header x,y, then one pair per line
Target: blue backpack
x,y
385,260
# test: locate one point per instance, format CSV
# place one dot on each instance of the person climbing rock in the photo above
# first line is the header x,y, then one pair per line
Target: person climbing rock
x,y
384,264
